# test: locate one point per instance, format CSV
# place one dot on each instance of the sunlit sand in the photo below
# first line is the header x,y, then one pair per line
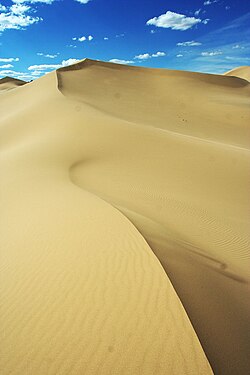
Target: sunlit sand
x,y
125,222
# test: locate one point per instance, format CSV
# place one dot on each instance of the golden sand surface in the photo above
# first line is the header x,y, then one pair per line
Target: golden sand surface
x,y
8,83
125,223
241,72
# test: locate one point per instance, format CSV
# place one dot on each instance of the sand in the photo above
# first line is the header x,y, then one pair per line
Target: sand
x,y
125,223
9,83
241,72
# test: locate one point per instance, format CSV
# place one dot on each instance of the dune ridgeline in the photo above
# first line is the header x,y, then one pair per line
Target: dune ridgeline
x,y
125,222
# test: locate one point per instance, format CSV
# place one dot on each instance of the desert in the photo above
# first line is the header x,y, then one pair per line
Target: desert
x,y
125,222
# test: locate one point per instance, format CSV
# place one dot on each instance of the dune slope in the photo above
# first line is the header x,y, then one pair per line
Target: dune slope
x,y
96,159
178,168
241,72
9,83
81,290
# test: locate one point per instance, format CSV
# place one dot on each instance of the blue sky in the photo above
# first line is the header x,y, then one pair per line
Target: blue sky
x,y
37,36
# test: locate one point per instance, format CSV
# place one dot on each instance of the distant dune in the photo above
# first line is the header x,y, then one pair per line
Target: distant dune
x,y
8,83
241,72
125,223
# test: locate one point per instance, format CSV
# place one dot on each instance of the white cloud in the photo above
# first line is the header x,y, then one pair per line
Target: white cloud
x,y
19,9
209,2
143,56
47,55
190,43
19,15
9,59
213,53
18,75
158,54
197,12
179,55
69,62
118,61
237,46
174,21
83,1
106,38
227,7
6,66
146,56
43,67
11,20
84,38
33,1
3,8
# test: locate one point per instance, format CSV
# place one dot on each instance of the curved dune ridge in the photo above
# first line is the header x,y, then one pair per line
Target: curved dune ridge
x,y
8,83
105,169
241,72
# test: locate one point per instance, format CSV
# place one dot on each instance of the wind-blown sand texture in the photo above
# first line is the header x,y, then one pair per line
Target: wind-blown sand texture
x,y
106,168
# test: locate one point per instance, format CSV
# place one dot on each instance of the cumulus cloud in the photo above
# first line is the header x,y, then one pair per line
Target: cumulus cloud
x,y
43,67
118,61
174,21
213,53
84,38
179,55
6,66
146,56
158,54
190,43
11,20
143,56
15,74
19,15
19,9
106,38
9,59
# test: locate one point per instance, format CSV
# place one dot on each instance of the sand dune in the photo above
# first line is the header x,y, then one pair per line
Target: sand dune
x,y
105,169
241,72
8,83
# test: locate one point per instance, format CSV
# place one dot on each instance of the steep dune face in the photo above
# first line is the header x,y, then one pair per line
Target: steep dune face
x,y
178,168
81,290
241,72
8,83
96,159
